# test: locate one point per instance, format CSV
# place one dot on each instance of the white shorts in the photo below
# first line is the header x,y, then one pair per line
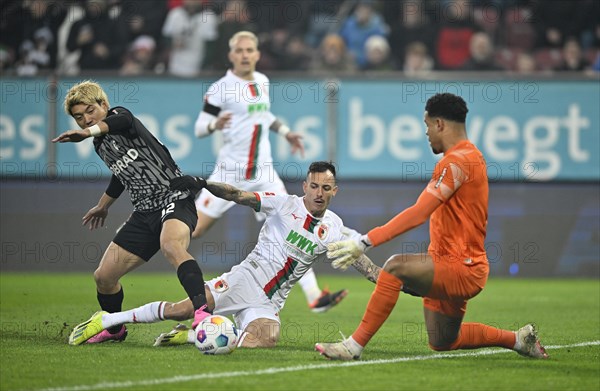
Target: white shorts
x,y
215,207
236,293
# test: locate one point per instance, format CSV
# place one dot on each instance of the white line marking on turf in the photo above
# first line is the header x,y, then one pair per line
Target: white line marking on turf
x,y
270,371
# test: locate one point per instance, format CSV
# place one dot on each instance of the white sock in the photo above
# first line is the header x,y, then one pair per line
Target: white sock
x,y
148,313
354,347
191,336
517,346
309,285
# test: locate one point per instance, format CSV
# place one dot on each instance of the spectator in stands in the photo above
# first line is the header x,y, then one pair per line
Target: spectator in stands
x,y
362,24
452,42
417,61
187,30
11,32
145,17
38,47
555,21
481,57
297,55
525,64
6,58
101,40
596,65
333,57
273,49
140,57
412,25
573,58
323,18
234,17
67,62
377,52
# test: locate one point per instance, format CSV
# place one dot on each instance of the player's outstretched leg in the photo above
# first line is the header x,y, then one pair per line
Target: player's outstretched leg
x,y
86,330
328,300
180,335
528,343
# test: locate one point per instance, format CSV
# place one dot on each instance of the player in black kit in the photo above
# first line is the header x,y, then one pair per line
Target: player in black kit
x,y
162,219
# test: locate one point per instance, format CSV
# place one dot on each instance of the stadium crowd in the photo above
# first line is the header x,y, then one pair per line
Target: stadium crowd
x,y
187,37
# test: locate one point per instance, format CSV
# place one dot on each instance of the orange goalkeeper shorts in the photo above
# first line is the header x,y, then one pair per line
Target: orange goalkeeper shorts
x,y
454,283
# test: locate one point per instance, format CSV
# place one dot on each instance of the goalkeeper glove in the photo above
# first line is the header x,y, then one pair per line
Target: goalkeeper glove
x,y
346,252
187,182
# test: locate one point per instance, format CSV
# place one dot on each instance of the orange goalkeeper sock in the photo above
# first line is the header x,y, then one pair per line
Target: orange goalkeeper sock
x,y
478,335
382,302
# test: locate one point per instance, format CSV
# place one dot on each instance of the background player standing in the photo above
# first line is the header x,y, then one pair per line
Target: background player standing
x,y
238,105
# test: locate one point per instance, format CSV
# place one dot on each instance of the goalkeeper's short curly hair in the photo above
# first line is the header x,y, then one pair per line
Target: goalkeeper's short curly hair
x,y
448,106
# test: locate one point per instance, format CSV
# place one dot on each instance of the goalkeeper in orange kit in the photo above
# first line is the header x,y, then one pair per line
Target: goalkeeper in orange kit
x,y
455,267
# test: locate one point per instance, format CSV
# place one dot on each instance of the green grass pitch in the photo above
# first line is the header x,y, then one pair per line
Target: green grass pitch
x,y
37,312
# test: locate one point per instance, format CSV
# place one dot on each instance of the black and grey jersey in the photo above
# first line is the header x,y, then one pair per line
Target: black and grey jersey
x,y
141,163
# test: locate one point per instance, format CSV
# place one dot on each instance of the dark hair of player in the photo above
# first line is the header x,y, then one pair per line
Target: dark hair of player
x,y
321,166
448,106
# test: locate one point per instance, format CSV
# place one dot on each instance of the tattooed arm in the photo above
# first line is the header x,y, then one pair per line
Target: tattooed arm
x,y
231,193
367,268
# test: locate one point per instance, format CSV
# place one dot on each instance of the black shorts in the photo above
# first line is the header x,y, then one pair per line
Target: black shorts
x,y
141,233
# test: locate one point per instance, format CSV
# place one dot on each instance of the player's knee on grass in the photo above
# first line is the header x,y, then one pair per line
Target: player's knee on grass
x,y
444,348
261,334
444,334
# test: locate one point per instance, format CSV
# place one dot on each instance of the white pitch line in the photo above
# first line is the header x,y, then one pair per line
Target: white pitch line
x,y
270,371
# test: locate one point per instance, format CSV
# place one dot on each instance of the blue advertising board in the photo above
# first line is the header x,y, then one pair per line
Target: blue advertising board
x,y
527,130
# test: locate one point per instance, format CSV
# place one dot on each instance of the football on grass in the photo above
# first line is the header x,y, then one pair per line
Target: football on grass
x,y
216,335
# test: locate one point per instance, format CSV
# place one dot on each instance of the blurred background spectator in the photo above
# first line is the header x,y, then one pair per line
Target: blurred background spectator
x,y
187,30
412,25
236,16
417,61
191,36
454,36
377,53
363,23
140,57
572,57
144,17
38,46
332,57
100,39
525,64
481,54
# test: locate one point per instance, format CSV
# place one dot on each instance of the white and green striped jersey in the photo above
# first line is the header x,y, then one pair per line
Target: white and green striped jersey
x,y
289,243
246,150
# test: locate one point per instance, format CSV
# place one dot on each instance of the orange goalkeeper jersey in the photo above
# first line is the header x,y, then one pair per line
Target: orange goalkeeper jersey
x,y
456,201
457,228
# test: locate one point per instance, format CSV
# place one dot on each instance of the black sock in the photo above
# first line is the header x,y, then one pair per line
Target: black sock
x,y
190,277
111,303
